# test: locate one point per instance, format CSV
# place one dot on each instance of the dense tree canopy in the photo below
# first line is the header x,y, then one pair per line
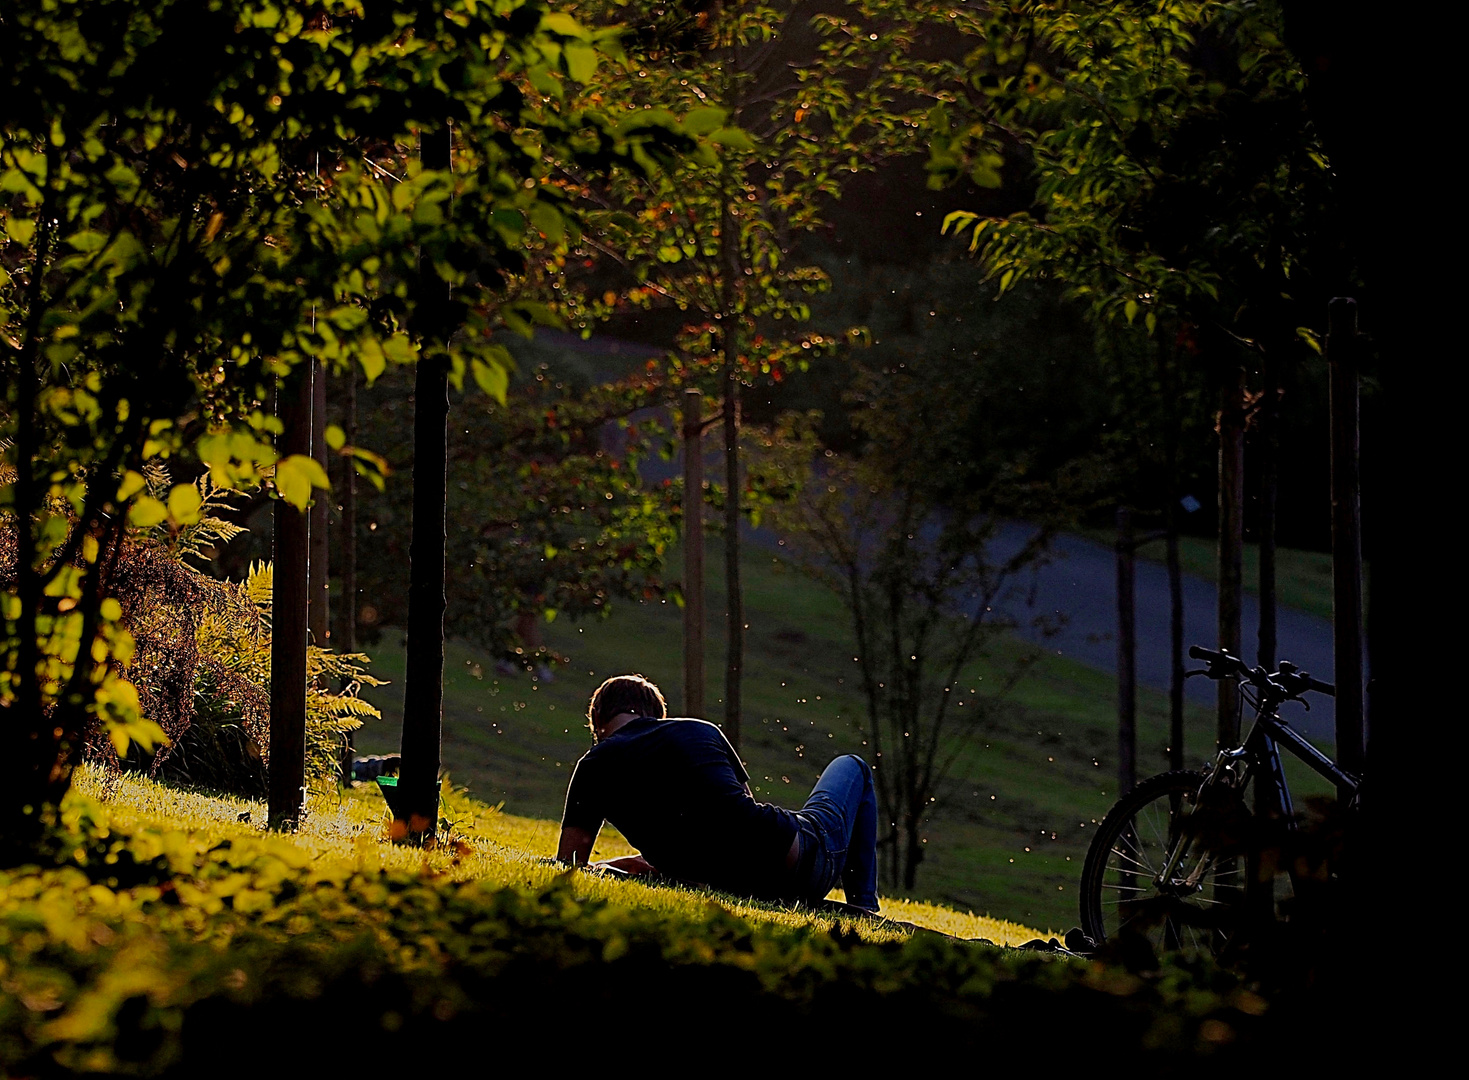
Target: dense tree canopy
x,y
198,198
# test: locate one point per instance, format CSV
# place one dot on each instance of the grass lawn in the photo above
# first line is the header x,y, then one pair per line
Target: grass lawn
x,y
486,845
163,926
1010,831
1302,578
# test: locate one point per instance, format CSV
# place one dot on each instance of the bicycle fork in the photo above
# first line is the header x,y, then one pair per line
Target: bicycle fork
x,y
1231,768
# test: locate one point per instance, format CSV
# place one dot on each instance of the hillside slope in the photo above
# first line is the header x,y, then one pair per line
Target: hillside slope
x,y
1010,830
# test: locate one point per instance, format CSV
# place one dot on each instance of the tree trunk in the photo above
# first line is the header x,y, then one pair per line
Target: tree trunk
x,y
318,614
693,554
913,853
29,750
1169,379
289,602
1269,491
734,663
1346,534
1175,642
345,638
1126,653
1231,542
423,675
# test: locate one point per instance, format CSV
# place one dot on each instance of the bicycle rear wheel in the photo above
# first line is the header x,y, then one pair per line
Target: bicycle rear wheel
x,y
1122,890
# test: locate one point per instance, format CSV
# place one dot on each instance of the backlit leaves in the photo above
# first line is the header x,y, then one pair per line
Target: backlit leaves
x,y
296,476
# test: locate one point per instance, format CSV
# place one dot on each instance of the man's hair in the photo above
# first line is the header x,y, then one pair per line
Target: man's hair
x,y
625,693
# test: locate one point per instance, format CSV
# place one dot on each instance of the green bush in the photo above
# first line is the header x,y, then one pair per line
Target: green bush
x,y
201,662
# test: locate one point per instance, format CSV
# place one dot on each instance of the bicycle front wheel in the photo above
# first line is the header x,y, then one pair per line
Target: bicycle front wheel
x,y
1123,888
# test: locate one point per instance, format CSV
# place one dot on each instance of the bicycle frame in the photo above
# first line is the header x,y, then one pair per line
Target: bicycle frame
x,y
1260,755
1262,745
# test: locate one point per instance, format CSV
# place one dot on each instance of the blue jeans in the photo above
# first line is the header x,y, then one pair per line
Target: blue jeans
x,y
838,834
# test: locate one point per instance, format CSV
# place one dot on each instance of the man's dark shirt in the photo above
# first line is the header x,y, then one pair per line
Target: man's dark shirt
x,y
676,789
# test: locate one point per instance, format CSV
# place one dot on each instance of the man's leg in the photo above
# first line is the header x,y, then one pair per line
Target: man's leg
x,y
843,804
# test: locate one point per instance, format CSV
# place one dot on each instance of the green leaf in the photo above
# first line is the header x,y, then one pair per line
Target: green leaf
x,y
295,476
985,171
703,120
1129,310
733,138
20,229
184,502
87,240
132,483
559,23
493,379
549,221
336,438
399,349
581,61
958,220
370,356
146,512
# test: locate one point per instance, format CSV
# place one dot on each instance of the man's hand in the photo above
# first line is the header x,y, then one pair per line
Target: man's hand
x,y
575,846
631,865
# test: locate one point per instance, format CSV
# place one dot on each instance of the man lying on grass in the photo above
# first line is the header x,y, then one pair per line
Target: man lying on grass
x,y
680,794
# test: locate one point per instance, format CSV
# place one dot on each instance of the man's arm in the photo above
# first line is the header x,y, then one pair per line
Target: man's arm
x,y
575,846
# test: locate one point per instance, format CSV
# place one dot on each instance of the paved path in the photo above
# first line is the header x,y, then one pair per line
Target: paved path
x,y
1080,583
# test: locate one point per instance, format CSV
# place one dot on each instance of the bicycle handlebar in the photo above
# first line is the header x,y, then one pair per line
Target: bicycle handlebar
x,y
1198,652
1289,679
1298,681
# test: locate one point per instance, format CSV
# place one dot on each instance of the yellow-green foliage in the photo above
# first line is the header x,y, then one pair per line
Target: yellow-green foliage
x,y
233,688
163,932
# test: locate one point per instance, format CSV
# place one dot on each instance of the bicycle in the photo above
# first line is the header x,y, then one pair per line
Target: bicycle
x,y
1171,860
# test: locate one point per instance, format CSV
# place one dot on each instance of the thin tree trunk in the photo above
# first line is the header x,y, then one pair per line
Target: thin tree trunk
x,y
289,602
734,663
346,634
1175,642
731,262
30,751
1346,534
1169,379
734,604
1269,491
423,676
1231,543
318,615
693,555
914,853
1126,653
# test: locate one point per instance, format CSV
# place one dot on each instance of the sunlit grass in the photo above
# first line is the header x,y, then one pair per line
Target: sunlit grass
x,y
485,844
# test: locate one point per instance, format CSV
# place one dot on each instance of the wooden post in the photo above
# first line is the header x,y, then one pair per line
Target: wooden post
x,y
1126,653
693,552
317,614
1231,542
423,676
291,529
345,638
1346,532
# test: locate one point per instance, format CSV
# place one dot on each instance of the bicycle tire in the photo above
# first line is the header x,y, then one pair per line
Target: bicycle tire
x,y
1120,890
